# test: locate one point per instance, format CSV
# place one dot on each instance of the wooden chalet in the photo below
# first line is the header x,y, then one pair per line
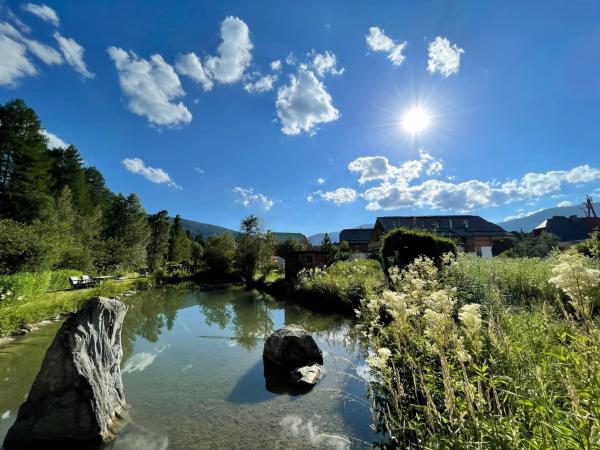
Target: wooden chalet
x,y
357,238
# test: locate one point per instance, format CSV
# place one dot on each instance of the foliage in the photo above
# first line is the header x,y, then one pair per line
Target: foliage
x,y
219,253
344,252
531,246
452,373
158,243
343,284
288,247
197,254
25,285
254,249
328,247
180,248
591,246
401,246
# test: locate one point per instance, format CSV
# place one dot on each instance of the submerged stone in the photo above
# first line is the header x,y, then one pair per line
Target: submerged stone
x,y
78,390
291,347
309,375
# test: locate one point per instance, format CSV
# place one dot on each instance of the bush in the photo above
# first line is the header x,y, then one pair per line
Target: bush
x,y
342,285
401,246
29,284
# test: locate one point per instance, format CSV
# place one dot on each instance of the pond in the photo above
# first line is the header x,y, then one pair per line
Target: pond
x,y
193,374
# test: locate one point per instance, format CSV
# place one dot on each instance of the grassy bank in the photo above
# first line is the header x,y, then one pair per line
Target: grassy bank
x,y
18,311
501,353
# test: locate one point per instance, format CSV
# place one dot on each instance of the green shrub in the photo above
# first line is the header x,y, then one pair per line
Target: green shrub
x,y
29,284
401,246
342,285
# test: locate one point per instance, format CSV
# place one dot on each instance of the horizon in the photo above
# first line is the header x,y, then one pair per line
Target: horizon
x,y
318,117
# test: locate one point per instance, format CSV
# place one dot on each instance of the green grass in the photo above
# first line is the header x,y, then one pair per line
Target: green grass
x,y
15,313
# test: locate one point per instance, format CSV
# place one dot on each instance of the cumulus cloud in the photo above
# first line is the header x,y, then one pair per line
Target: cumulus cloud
x,y
378,41
276,65
248,197
44,52
379,168
53,140
396,191
304,103
141,361
257,83
234,52
73,53
155,175
15,63
310,198
191,66
44,12
150,86
444,57
324,63
339,196
320,180
293,426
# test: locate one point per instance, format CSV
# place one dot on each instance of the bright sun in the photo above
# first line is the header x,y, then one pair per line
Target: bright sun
x,y
415,120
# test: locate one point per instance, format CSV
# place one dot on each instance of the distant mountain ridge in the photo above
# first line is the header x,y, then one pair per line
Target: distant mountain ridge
x,y
531,221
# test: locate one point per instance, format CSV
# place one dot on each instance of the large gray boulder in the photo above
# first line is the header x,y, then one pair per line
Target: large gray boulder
x,y
78,391
291,347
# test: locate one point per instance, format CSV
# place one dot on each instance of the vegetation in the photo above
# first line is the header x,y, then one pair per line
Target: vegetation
x,y
530,246
254,249
459,363
401,246
340,286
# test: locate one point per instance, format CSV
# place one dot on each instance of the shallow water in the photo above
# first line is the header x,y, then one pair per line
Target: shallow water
x,y
193,375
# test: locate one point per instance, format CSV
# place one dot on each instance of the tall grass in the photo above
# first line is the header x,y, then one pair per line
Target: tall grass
x,y
29,284
452,373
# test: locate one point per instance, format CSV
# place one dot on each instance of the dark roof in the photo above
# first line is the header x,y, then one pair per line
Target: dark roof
x,y
461,225
569,228
356,235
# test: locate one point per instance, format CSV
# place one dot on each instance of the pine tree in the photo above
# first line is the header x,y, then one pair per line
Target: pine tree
x,y
179,245
67,170
158,245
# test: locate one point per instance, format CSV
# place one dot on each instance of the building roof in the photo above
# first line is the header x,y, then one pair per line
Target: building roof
x,y
571,228
459,225
356,235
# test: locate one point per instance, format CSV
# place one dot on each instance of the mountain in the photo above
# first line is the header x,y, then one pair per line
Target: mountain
x,y
531,221
316,239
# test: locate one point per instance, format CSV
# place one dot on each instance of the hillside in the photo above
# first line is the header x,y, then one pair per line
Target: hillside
x,y
316,239
528,223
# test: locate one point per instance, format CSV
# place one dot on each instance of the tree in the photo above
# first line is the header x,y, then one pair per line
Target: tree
x,y
99,193
288,247
254,248
197,254
344,252
328,247
532,246
180,249
219,253
67,171
158,244
24,163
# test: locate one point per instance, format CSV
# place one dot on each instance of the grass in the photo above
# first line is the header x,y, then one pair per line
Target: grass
x,y
15,313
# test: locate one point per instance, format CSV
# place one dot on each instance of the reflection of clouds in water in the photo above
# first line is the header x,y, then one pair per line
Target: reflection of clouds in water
x,y
295,426
186,368
140,361
6,415
231,343
364,371
133,441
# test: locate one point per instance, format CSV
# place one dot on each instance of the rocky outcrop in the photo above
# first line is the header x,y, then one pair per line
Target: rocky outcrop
x,y
291,354
78,391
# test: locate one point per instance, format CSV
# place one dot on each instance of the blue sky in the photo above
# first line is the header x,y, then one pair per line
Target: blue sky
x,y
185,104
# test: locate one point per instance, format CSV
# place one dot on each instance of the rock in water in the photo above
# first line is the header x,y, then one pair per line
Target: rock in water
x,y
291,347
309,375
78,391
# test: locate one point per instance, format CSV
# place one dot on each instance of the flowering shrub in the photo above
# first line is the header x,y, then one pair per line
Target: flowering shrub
x,y
450,373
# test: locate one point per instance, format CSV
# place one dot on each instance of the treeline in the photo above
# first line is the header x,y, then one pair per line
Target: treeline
x,y
56,213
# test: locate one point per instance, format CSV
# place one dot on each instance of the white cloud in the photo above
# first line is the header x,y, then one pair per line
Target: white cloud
x,y
444,57
304,103
324,63
248,197
73,53
565,203
396,191
276,65
150,86
199,170
309,198
155,175
339,196
53,140
378,41
320,180
44,12
260,83
44,52
234,52
294,427
15,64
141,361
190,66
379,168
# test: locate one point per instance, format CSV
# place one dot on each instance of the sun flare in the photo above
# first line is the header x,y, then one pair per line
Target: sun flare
x,y
415,120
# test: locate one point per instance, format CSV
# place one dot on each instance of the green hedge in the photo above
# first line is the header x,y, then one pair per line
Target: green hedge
x,y
401,246
29,284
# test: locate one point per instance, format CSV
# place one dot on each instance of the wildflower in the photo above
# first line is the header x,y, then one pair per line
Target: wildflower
x,y
380,359
470,317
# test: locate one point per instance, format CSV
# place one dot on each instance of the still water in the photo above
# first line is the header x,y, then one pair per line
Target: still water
x,y
193,374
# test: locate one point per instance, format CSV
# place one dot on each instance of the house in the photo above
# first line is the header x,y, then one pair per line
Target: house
x,y
357,238
473,233
304,259
570,228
